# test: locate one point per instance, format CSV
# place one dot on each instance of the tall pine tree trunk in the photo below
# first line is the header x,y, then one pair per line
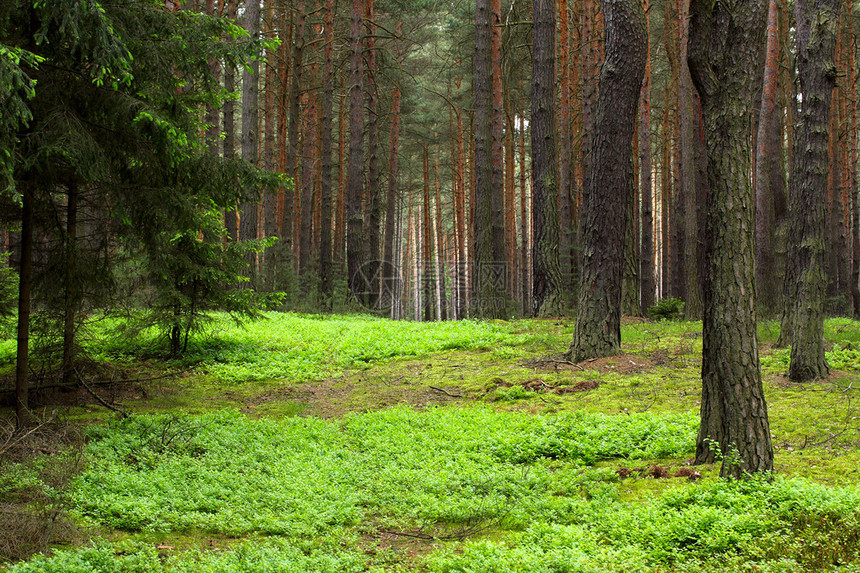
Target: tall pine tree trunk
x,y
355,175
766,275
25,277
803,318
374,190
484,255
546,273
610,182
250,134
325,257
725,57
230,216
646,252
70,301
390,270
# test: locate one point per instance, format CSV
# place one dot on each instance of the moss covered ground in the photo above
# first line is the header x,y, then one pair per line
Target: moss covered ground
x,y
351,443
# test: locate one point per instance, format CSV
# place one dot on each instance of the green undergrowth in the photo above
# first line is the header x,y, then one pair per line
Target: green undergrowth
x,y
304,477
350,443
307,347
496,491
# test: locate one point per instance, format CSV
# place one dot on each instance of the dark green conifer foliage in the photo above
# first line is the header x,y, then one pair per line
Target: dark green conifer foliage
x,y
106,99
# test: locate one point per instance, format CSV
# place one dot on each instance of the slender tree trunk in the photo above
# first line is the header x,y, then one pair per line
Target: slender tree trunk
x,y
546,274
852,161
307,187
766,275
390,270
499,260
231,221
70,301
462,256
355,176
250,134
25,276
426,245
804,313
646,252
485,256
374,189
598,312
689,147
340,203
440,250
525,227
565,186
292,196
725,57
271,223
510,202
325,257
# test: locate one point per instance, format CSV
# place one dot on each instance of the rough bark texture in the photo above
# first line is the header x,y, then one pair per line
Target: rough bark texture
x,y
546,273
689,148
816,26
250,134
490,304
725,57
598,312
566,236
355,175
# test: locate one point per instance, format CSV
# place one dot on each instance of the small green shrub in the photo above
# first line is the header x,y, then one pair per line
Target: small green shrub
x,y
670,308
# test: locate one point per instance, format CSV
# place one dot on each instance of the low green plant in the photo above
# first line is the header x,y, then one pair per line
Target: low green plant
x,y
669,308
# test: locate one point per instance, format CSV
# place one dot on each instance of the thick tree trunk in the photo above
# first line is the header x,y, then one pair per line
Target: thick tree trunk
x,y
726,51
598,312
355,175
804,313
250,134
546,273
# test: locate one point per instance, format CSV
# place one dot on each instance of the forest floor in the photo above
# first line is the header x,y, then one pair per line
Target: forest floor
x,y
350,443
